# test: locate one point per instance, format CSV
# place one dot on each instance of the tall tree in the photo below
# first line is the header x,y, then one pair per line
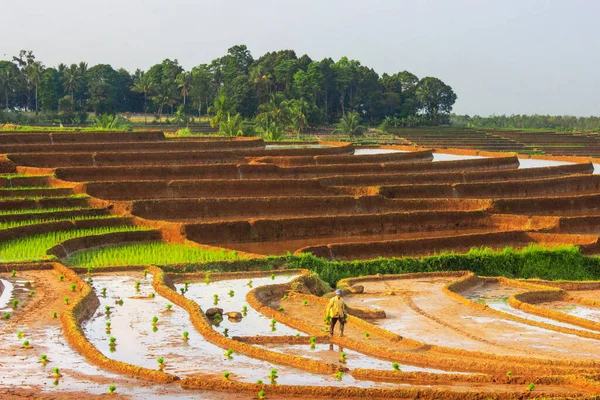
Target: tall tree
x,y
142,83
184,83
9,79
435,97
34,74
73,79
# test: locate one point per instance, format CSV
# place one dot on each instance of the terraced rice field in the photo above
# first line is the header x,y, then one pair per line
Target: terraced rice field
x,y
112,247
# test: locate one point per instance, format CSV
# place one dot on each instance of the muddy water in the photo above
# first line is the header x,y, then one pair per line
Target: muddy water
x,y
331,354
533,163
253,323
295,146
14,288
577,310
139,344
364,152
495,296
452,157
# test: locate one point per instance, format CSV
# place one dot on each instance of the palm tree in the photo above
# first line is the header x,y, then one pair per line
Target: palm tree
x,y
221,107
296,115
73,78
184,82
34,75
350,125
8,82
143,84
163,96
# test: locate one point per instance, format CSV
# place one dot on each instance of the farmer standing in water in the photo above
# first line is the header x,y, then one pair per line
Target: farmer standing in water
x,y
336,311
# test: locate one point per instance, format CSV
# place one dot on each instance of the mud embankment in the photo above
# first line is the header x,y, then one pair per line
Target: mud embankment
x,y
11,138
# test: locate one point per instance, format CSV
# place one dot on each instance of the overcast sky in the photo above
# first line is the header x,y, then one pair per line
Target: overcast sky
x,y
500,56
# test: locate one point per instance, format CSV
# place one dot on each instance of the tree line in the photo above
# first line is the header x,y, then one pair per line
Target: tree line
x,y
561,123
237,84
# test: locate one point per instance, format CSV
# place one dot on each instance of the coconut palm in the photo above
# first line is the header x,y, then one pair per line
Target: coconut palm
x,y
8,82
220,108
163,96
34,75
349,125
296,115
143,84
184,82
73,79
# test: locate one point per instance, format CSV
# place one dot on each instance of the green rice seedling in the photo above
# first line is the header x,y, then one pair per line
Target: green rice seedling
x,y
152,295
396,366
530,387
226,332
20,334
249,283
259,382
367,335
305,302
328,319
161,362
231,293
226,375
245,309
154,320
186,334
120,302
182,290
280,308
186,285
284,297
137,286
169,306
154,328
54,314
31,292
13,273
261,394
15,303
228,353
313,342
103,292
90,280
216,296
339,375
107,309
56,372
6,315
73,287
66,300
34,247
112,342
207,278
44,359
108,324
61,278
343,357
90,270
508,373
111,389
297,335
55,382
26,344
273,374
145,274
273,276
148,253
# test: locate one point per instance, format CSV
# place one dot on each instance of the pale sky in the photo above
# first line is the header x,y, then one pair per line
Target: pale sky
x,y
500,56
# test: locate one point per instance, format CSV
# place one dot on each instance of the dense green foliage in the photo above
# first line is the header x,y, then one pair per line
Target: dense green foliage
x,y
147,254
561,123
316,92
560,263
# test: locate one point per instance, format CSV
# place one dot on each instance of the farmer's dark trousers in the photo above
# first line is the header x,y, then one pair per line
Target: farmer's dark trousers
x,y
333,322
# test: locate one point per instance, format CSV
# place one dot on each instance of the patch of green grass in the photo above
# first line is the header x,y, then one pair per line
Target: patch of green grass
x,y
40,210
34,247
14,224
147,254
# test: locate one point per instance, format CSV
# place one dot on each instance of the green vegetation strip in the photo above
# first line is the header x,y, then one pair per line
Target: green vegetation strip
x,y
40,210
150,253
73,196
18,188
559,263
33,248
15,224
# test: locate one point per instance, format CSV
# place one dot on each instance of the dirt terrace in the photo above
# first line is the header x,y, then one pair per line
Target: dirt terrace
x,y
238,194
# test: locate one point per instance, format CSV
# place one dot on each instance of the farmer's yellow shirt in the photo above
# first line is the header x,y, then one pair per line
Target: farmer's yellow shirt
x,y
336,307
